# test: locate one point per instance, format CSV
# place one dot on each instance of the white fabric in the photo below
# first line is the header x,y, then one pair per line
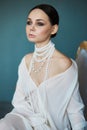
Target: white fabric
x,y
54,105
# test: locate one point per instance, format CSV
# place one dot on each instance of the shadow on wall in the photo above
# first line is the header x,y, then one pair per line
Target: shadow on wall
x,y
81,60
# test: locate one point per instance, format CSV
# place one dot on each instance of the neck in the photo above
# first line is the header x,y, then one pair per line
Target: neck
x,y
39,45
42,53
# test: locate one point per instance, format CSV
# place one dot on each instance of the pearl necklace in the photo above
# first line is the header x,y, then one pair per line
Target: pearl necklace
x,y
45,53
40,67
41,54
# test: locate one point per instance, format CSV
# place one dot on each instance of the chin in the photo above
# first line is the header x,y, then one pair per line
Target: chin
x,y
31,40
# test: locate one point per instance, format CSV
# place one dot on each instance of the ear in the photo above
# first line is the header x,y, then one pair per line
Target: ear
x,y
54,29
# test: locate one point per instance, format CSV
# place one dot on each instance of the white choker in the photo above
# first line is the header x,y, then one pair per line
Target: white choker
x,y
41,54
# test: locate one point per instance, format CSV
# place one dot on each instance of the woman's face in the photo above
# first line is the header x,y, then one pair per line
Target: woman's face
x,y
38,28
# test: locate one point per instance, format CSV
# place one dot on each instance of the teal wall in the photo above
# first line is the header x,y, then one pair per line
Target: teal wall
x,y
14,44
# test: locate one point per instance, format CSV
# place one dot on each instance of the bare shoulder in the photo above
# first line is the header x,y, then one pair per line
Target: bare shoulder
x,y
62,62
65,63
28,59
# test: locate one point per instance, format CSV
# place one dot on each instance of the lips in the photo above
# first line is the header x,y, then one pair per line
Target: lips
x,y
31,35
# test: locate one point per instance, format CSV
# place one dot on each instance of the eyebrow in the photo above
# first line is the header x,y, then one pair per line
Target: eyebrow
x,y
37,19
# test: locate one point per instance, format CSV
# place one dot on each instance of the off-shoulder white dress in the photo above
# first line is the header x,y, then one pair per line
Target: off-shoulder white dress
x,y
54,105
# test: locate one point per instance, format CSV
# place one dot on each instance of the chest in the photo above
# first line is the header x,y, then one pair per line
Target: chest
x,y
40,73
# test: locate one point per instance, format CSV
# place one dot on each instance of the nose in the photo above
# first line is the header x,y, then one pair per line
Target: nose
x,y
32,27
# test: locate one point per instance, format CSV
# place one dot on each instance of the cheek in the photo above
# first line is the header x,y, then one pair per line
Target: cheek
x,y
44,32
26,29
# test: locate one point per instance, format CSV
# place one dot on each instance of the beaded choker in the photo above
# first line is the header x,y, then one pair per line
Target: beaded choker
x,y
41,55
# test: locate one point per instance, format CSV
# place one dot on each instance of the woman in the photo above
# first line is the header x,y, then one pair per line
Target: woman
x,y
47,95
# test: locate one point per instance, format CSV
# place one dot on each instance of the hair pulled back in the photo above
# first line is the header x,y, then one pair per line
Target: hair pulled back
x,y
50,12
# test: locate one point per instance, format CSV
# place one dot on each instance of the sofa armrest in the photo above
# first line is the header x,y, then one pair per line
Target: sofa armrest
x,y
5,107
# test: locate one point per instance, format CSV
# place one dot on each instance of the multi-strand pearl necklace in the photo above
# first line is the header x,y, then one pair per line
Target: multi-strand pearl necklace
x,y
41,54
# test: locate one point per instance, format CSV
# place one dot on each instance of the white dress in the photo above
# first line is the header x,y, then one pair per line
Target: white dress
x,y
54,105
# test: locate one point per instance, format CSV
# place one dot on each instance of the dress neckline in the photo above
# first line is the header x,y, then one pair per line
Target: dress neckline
x,y
48,79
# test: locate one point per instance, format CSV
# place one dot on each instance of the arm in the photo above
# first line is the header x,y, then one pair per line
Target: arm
x,y
19,101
